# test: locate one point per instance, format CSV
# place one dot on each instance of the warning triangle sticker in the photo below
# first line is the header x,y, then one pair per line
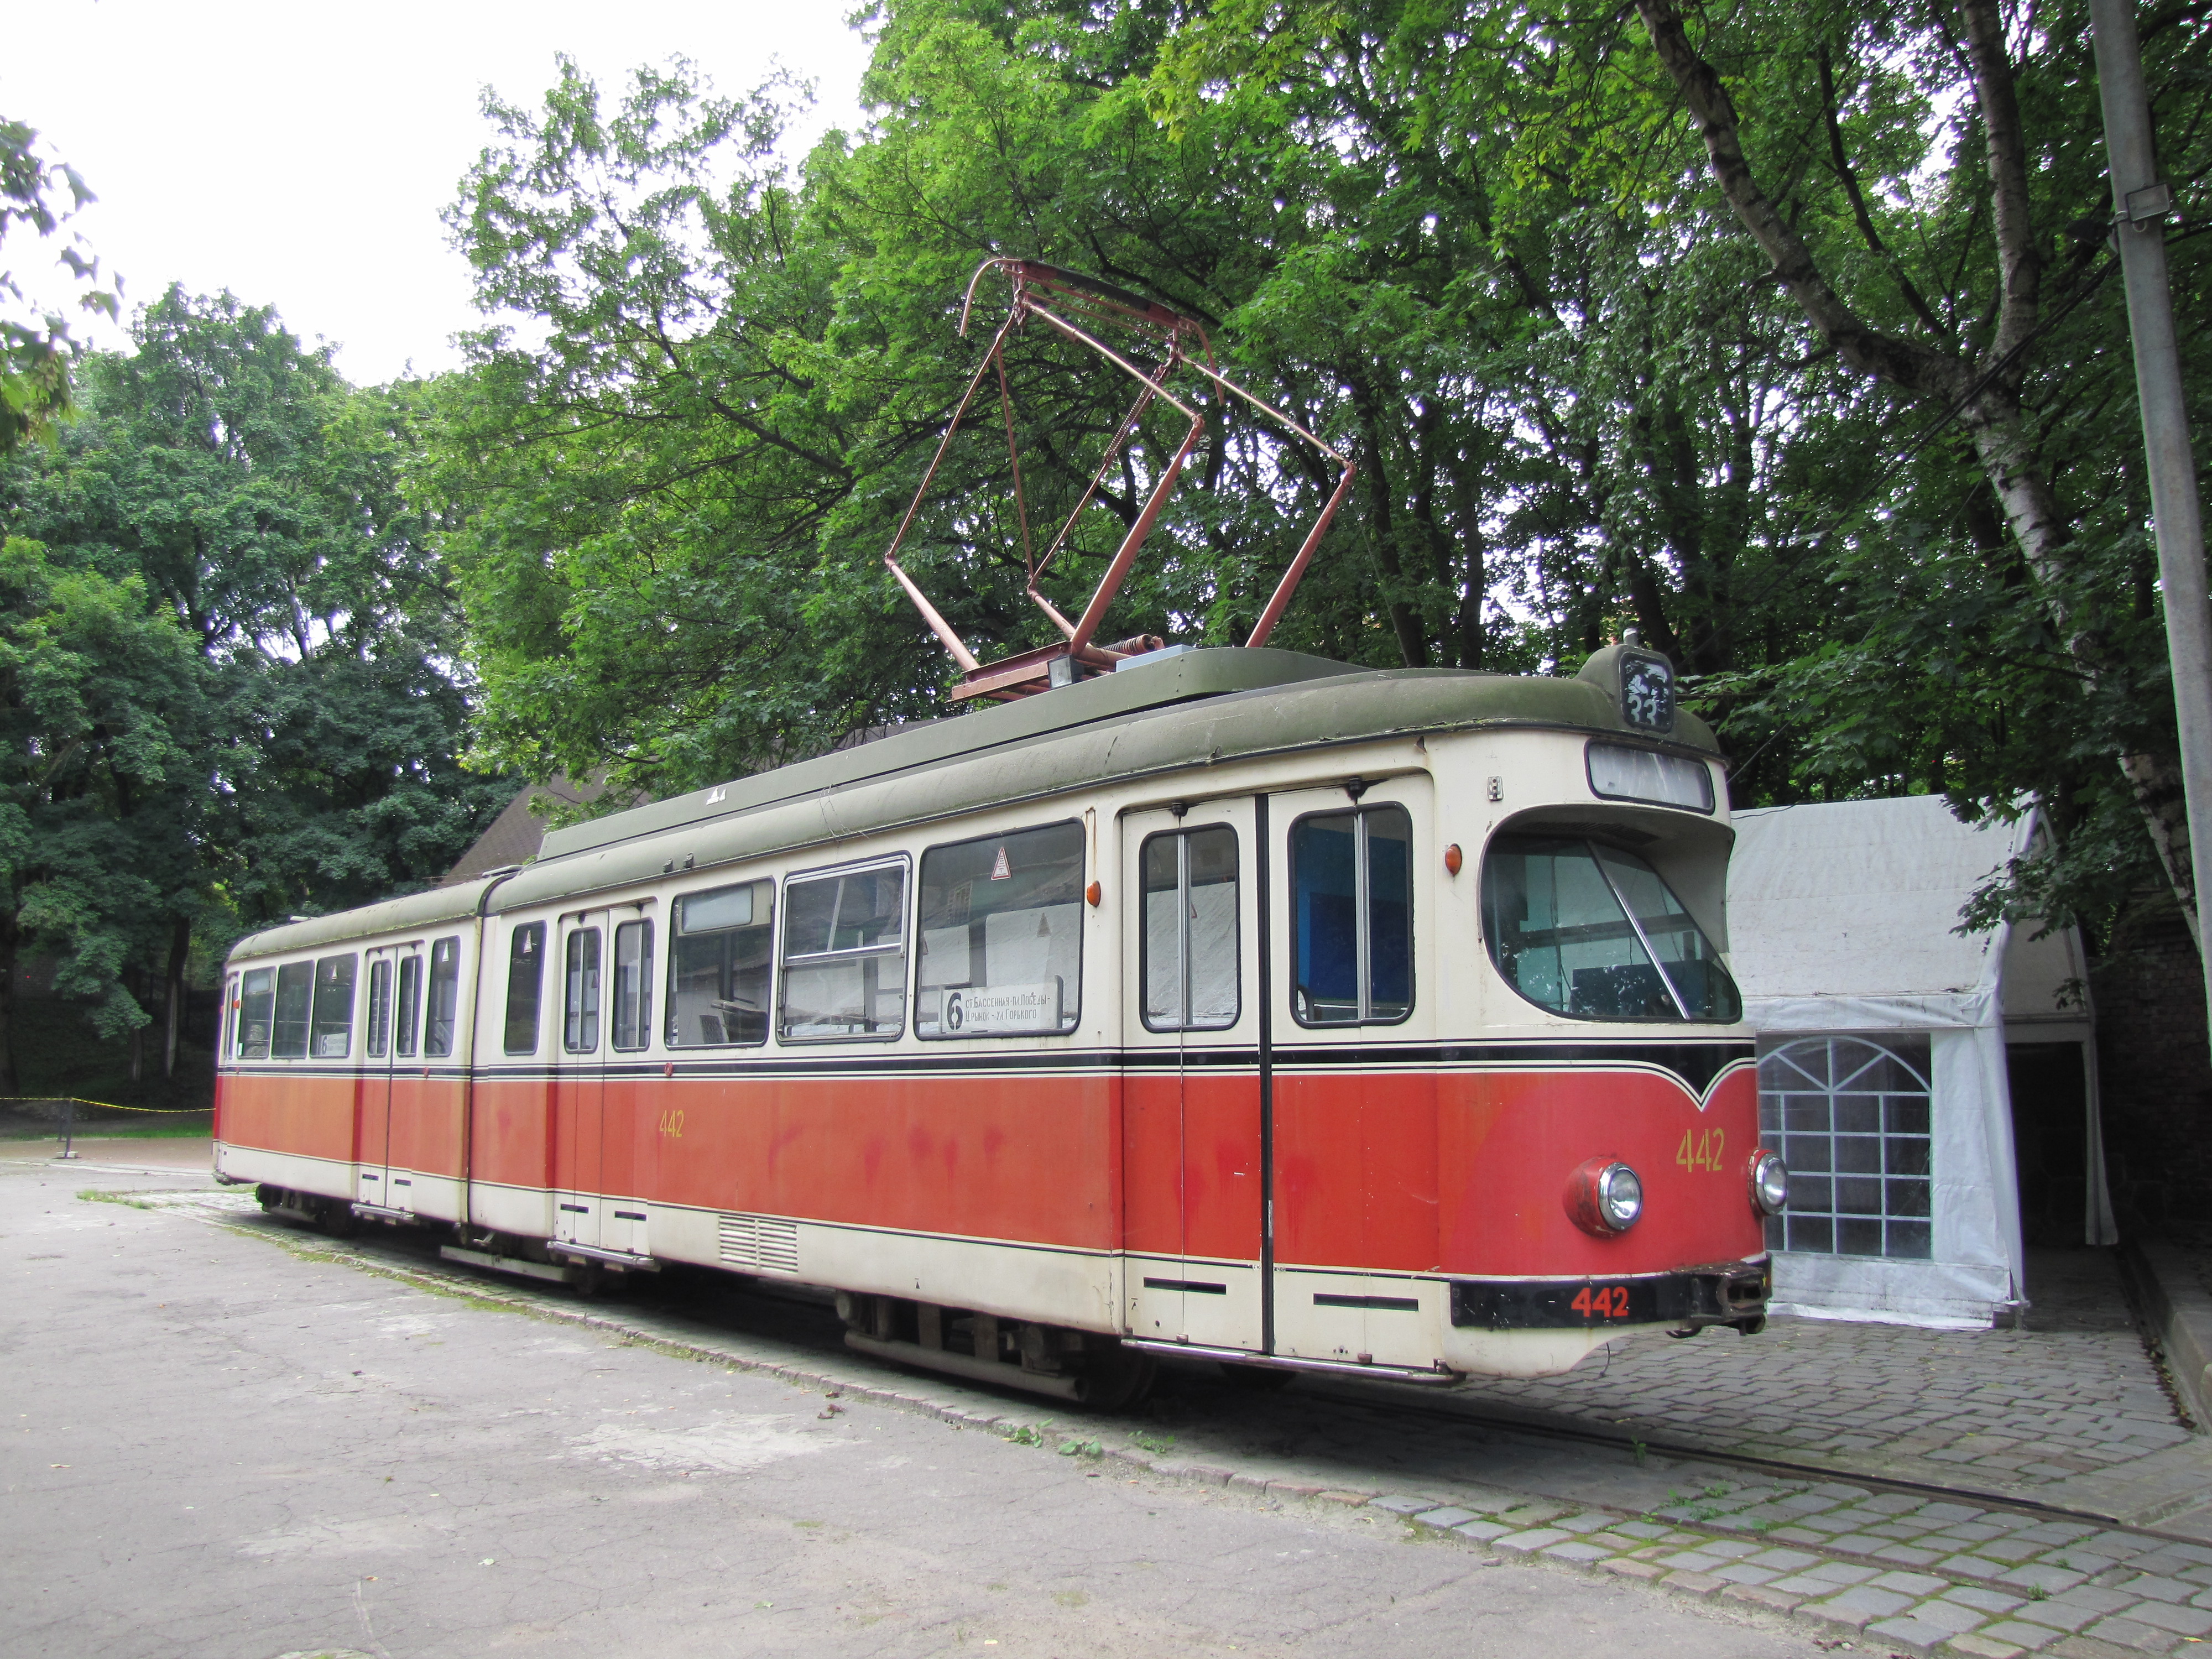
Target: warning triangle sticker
x,y
1000,871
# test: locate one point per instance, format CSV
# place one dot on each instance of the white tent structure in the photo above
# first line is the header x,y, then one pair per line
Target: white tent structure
x,y
1882,1056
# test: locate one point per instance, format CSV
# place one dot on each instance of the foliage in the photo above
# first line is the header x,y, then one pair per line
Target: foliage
x,y
1885,509
249,502
34,350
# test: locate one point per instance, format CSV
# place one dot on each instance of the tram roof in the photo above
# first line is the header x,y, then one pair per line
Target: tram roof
x,y
1192,709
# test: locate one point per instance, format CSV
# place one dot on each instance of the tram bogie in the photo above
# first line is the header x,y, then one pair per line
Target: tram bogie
x,y
1242,1007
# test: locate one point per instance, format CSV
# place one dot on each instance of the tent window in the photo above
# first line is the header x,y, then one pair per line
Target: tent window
x,y
1851,1117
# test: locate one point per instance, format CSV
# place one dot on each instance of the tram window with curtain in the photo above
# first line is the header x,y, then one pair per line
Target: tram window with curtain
x,y
256,1010
1352,917
1589,930
525,986
1001,930
444,1013
379,1009
580,993
409,1008
295,991
633,987
718,958
331,1026
844,954
1191,965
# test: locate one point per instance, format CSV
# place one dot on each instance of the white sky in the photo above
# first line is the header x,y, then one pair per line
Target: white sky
x,y
299,156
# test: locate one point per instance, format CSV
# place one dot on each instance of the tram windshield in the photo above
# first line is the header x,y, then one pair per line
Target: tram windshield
x,y
1589,930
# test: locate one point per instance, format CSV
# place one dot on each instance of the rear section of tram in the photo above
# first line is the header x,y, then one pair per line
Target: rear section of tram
x,y
1277,1012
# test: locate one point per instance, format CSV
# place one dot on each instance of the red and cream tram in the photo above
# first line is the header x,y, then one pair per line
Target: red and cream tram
x,y
1233,1004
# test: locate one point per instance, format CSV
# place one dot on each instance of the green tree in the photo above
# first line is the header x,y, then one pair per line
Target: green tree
x,y
36,348
99,694
255,500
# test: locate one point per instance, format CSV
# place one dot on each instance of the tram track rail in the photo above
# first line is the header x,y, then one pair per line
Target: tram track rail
x,y
682,1295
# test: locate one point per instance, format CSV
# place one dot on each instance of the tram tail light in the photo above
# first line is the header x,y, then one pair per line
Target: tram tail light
x,y
1770,1182
1605,1197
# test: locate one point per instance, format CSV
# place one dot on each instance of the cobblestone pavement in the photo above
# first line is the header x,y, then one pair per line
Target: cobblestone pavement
x,y
1888,1570
2074,1395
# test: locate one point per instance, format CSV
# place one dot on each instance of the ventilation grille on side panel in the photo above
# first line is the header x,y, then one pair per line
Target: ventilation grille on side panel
x,y
765,1244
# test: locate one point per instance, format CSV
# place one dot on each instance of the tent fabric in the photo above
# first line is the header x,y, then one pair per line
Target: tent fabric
x,y
1842,917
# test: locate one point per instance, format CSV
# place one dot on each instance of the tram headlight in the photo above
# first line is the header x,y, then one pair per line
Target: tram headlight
x,y
1605,1197
1770,1183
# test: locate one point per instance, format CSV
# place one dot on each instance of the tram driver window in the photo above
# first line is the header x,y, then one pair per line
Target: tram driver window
x,y
1190,942
257,1009
1001,930
1352,917
330,1034
844,954
444,999
1591,931
526,983
718,966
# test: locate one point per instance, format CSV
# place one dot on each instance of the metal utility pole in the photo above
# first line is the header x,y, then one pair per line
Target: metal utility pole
x,y
2142,202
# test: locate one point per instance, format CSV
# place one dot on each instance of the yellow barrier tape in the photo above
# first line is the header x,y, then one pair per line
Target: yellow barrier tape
x,y
105,1105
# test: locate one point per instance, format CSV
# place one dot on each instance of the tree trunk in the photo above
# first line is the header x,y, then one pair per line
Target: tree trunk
x,y
180,944
133,979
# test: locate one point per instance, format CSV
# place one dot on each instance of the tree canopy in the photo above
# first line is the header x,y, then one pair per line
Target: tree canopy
x,y
1784,334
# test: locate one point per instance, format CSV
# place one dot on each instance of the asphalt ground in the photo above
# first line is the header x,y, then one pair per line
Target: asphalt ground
x,y
220,1447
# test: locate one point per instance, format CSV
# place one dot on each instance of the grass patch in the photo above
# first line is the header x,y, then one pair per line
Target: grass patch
x,y
93,1196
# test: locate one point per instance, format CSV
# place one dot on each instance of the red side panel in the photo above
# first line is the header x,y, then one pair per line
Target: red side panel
x,y
1466,1172
283,1112
429,1131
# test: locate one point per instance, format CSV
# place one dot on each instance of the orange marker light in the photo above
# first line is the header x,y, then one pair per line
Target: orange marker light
x,y
1452,859
1093,893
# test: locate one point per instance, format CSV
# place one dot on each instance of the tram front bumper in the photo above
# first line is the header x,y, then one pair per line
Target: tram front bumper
x,y
1687,1300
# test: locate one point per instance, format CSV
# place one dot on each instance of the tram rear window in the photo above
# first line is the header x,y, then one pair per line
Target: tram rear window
x,y
257,1007
717,965
1589,930
1002,935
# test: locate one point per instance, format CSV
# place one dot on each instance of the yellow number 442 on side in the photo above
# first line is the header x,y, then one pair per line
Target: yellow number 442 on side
x,y
1701,1151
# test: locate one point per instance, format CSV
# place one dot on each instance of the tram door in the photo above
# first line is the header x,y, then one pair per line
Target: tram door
x,y
578,1092
373,1087
1191,1141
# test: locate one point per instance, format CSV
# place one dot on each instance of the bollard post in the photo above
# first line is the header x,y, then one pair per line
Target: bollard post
x,y
68,1128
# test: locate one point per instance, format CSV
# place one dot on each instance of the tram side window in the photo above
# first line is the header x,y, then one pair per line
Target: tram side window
x,y
331,1036
1575,926
410,1005
579,1001
719,966
444,998
256,1006
844,954
1190,942
525,986
1001,930
295,990
230,1016
633,1013
1352,917
379,1009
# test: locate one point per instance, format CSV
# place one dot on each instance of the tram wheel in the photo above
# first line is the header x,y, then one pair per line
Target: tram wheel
x,y
339,1221
1113,1380
591,1280
1255,1379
